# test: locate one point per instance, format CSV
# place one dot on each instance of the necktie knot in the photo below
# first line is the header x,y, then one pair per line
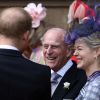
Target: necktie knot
x,y
54,79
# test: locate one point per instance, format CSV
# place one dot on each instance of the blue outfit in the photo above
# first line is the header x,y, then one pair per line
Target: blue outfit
x,y
91,90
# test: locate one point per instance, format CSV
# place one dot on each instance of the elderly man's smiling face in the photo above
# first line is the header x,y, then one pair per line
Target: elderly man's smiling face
x,y
54,49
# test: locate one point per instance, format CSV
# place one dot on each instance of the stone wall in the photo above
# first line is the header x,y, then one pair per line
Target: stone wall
x,y
56,9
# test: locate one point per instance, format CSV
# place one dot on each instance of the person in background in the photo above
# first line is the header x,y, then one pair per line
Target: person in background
x,y
39,26
66,78
20,78
78,13
97,18
87,52
38,13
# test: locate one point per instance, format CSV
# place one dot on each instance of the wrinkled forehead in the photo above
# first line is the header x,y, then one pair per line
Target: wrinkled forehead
x,y
54,35
53,41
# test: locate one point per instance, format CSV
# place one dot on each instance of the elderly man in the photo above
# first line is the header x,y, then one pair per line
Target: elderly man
x,y
66,78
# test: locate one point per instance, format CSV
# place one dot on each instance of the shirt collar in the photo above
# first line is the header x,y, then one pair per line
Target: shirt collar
x,y
64,69
8,47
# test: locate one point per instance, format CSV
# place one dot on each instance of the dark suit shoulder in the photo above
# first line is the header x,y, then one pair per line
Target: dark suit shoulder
x,y
36,66
81,74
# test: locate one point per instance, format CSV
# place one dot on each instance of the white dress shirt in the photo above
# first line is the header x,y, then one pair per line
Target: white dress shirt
x,y
8,47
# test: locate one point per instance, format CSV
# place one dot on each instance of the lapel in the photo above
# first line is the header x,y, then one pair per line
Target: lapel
x,y
69,77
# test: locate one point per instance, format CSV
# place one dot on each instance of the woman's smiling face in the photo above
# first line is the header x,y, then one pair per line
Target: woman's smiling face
x,y
84,54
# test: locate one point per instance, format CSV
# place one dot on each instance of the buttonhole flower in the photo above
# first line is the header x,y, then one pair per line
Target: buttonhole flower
x,y
66,85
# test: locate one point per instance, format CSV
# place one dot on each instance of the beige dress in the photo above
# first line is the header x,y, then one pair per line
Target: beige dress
x,y
37,55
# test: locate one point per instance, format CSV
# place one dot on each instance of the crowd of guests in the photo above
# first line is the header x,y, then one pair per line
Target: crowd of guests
x,y
41,62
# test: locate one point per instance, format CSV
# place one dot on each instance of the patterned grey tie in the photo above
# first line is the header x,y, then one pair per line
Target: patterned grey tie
x,y
54,82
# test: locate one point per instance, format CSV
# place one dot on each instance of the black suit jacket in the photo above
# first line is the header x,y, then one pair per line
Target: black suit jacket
x,y
22,79
77,78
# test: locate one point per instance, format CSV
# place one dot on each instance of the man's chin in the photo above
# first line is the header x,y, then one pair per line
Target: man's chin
x,y
50,65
